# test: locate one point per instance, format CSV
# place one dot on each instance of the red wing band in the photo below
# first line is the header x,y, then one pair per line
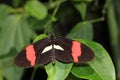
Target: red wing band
x,y
30,54
76,50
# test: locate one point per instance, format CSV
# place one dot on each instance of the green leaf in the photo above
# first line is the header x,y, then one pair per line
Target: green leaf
x,y
4,59
82,30
1,78
12,73
40,37
8,69
15,33
101,68
72,77
113,18
4,11
82,7
59,71
1,75
36,9
39,24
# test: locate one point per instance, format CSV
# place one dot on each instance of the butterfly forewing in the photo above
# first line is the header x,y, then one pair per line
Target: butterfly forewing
x,y
74,51
21,60
86,54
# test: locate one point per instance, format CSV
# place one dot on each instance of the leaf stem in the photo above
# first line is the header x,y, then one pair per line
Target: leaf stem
x,y
47,25
33,73
95,20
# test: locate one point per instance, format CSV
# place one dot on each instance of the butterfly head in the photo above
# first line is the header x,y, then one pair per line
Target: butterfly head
x,y
52,35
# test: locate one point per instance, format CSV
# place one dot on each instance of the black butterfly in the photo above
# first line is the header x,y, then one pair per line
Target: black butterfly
x,y
51,49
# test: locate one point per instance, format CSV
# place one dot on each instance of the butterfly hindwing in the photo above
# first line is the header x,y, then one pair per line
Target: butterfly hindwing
x,y
32,54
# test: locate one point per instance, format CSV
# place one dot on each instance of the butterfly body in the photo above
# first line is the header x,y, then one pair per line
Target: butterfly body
x,y
51,49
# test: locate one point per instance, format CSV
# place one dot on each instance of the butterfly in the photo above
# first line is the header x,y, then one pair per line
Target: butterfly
x,y
53,48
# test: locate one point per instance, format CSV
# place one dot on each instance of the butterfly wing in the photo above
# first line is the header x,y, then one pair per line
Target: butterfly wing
x,y
31,55
65,54
74,51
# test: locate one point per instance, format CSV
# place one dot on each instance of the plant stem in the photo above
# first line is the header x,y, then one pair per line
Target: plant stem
x,y
33,73
47,25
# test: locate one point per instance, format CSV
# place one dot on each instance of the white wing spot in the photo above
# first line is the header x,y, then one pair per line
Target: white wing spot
x,y
47,49
50,47
58,47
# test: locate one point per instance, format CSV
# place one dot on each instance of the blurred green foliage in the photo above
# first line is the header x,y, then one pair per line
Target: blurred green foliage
x,y
21,21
